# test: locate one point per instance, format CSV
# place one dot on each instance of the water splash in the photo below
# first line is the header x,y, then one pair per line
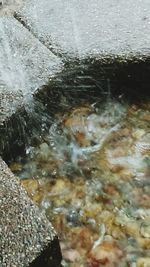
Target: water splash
x,y
96,130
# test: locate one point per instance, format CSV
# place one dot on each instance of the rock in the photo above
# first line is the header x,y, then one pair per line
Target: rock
x,y
26,235
97,28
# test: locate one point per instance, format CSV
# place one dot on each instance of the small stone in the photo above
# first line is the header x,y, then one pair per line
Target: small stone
x,y
15,167
146,117
145,229
30,185
107,252
138,133
58,187
72,217
72,255
143,262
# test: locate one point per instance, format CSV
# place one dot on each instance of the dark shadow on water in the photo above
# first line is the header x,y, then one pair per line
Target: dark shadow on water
x,y
44,260
89,81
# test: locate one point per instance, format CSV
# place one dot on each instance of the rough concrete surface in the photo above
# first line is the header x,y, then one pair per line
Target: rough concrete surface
x,y
9,103
8,7
25,232
94,27
25,65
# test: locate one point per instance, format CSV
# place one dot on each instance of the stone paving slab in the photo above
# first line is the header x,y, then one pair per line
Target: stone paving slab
x,y
92,28
24,232
25,65
8,7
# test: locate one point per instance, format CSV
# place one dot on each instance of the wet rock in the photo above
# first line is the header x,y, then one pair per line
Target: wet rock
x,y
93,29
26,235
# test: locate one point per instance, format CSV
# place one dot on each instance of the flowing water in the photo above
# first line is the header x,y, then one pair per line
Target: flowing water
x,y
90,174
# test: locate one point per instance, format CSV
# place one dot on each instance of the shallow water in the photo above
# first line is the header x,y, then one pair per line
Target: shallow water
x,y
90,173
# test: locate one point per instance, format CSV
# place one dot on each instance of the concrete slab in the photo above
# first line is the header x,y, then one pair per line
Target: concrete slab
x,y
94,28
25,65
25,231
8,7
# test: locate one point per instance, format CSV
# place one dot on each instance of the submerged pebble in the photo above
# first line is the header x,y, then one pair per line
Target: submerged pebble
x,y
143,262
145,229
72,217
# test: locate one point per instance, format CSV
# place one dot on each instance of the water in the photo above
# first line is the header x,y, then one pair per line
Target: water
x,y
90,175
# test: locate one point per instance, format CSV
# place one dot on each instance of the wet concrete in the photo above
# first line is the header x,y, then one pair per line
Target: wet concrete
x,y
95,28
26,234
